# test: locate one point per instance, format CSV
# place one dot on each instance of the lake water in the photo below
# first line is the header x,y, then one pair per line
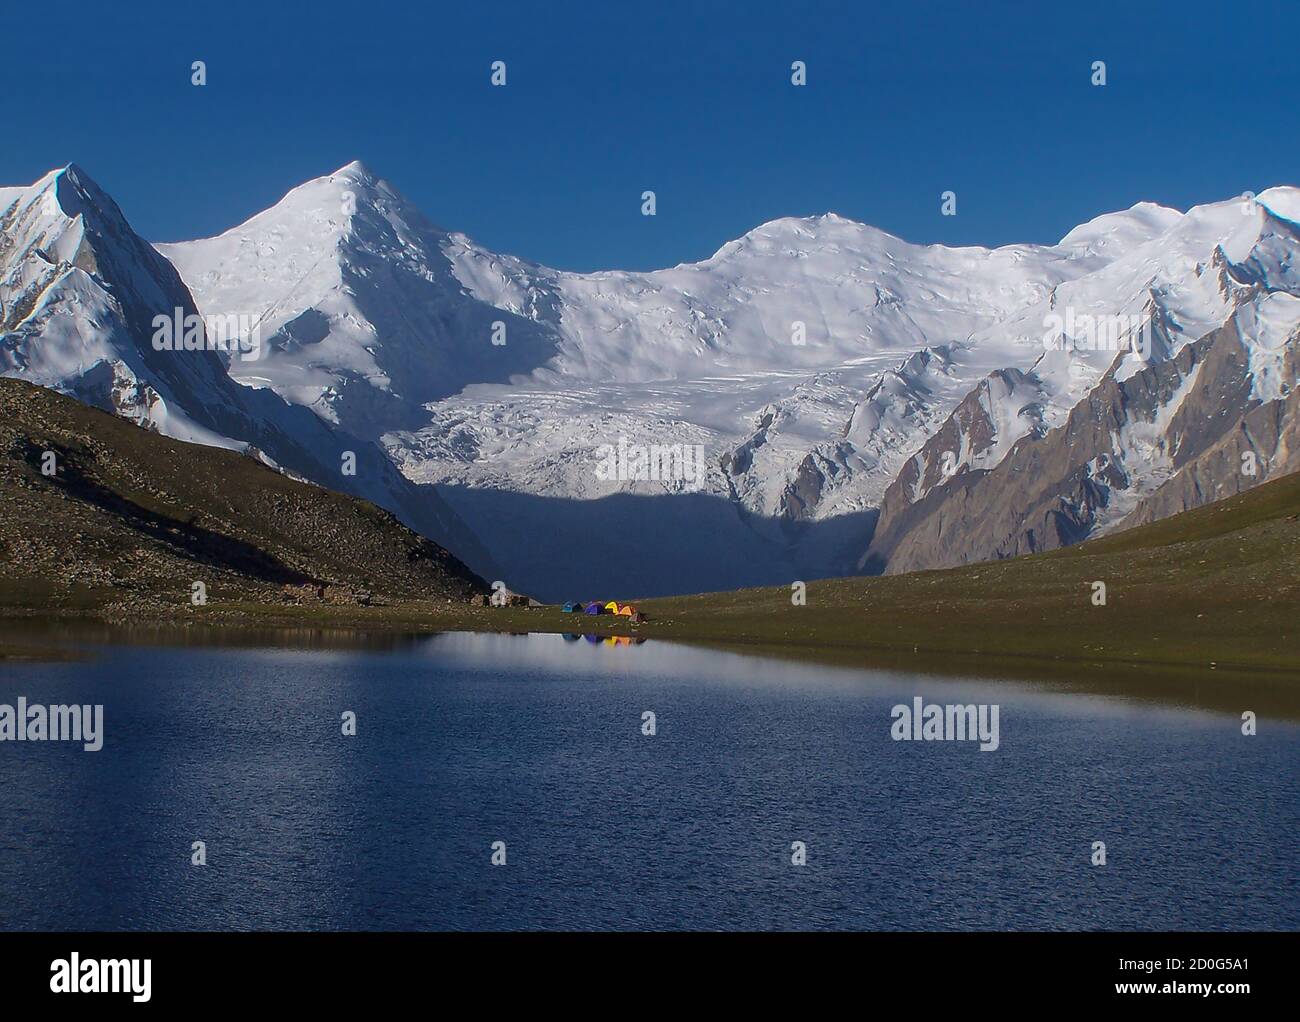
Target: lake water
x,y
536,741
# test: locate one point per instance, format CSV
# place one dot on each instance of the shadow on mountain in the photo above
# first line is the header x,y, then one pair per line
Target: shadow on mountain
x,y
628,545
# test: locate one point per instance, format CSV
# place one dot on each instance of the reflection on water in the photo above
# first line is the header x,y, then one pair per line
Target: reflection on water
x,y
608,640
84,632
464,740
1273,694
93,633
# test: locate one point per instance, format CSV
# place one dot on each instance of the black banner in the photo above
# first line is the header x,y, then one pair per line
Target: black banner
x,y
981,971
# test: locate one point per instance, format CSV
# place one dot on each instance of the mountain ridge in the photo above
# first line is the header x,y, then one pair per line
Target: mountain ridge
x,y
815,360
800,318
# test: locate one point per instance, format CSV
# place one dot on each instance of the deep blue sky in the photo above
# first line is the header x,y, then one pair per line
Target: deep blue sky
x,y
693,100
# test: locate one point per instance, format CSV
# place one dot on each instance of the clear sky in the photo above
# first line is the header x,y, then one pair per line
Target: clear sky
x,y
992,100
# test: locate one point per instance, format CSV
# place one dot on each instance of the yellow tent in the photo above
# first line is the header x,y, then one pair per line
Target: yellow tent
x,y
611,607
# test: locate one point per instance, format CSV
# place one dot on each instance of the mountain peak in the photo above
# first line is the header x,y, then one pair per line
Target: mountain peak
x,y
356,170
324,208
354,187
75,173
78,193
1282,201
1121,229
828,229
58,202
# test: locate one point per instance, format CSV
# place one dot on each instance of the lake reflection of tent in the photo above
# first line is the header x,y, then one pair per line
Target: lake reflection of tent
x,y
592,638
573,607
570,637
594,608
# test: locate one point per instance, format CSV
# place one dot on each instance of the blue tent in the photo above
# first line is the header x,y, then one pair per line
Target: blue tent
x,y
573,607
594,608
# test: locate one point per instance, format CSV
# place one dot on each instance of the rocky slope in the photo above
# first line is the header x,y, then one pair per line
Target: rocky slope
x,y
1216,418
100,514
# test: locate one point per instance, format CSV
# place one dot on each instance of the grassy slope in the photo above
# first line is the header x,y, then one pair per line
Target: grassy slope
x,y
1220,584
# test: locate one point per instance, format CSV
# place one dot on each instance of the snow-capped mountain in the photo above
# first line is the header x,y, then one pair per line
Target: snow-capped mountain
x,y
360,317
81,302
370,314
810,359
821,396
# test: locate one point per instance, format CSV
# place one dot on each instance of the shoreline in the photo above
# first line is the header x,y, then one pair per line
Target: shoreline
x,y
1223,686
416,618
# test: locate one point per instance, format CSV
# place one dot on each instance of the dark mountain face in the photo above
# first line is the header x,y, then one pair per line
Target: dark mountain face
x,y
100,513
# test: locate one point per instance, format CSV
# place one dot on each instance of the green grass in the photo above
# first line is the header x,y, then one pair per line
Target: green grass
x,y
1218,586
